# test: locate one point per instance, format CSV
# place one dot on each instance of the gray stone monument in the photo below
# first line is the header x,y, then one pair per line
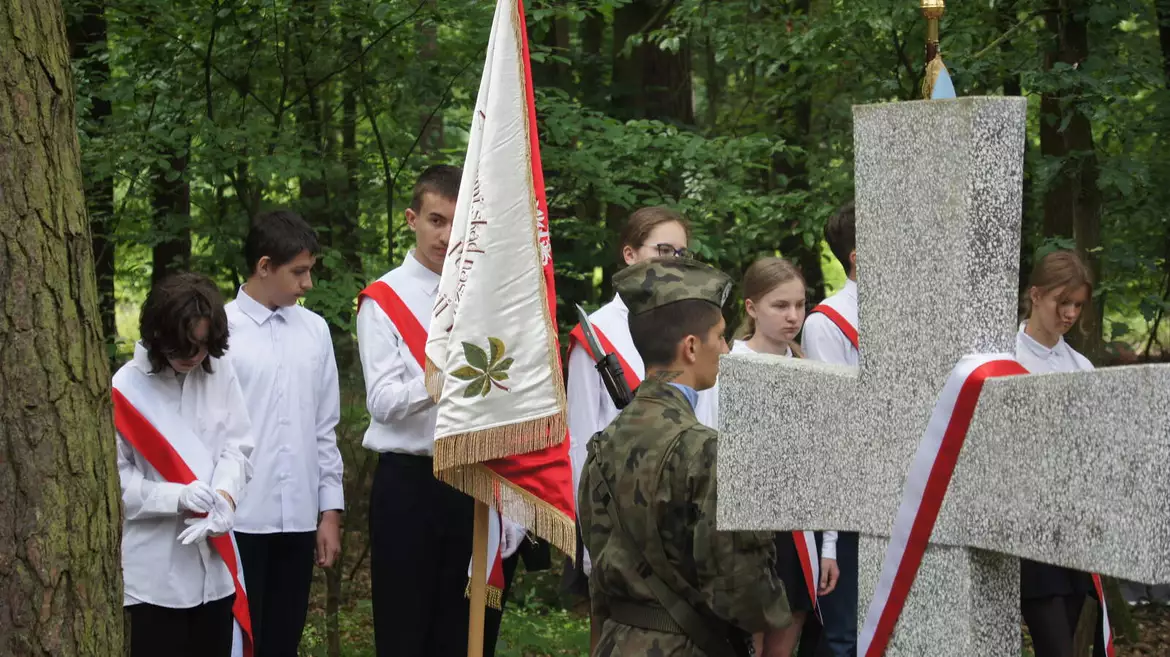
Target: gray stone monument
x,y
1067,469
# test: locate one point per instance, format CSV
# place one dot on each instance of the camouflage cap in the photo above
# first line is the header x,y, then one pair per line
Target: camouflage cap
x,y
657,282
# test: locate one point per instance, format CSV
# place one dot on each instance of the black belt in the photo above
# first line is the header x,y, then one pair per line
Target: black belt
x,y
644,616
407,460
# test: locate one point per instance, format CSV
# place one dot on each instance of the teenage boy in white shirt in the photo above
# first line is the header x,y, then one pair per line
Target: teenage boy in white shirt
x,y
283,355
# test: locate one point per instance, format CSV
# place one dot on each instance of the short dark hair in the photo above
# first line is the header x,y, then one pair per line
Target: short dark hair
x,y
656,333
281,235
841,233
172,309
441,179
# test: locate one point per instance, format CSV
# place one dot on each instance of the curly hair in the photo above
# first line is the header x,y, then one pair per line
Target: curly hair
x,y
173,309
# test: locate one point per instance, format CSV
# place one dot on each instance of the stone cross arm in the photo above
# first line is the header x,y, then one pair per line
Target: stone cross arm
x,y
1044,454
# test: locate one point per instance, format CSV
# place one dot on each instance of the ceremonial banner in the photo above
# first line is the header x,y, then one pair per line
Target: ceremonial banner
x,y
492,359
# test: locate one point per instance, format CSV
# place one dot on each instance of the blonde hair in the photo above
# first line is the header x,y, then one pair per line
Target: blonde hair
x,y
763,276
1059,269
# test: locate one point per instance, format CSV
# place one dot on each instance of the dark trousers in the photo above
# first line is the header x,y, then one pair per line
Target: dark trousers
x,y
1052,624
278,573
203,631
420,546
839,608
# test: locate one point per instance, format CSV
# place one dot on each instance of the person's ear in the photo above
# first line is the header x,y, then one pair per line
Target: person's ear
x,y
411,218
264,266
750,308
690,351
629,254
1034,295
853,261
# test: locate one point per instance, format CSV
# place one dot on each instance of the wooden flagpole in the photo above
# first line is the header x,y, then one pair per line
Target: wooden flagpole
x,y
478,601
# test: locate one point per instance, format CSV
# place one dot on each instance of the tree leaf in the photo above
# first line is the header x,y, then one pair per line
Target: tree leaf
x,y
503,365
476,357
499,376
467,373
497,347
476,387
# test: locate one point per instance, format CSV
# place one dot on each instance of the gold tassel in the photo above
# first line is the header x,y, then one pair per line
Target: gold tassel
x,y
537,515
495,597
499,442
433,378
933,69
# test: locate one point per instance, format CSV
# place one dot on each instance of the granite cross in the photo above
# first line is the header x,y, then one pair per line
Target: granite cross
x,y
1067,469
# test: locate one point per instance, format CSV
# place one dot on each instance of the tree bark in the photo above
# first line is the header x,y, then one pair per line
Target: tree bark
x,y
60,522
651,83
87,38
172,217
1072,203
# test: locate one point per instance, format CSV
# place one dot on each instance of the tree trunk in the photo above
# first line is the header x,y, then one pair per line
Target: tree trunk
x,y
651,83
1072,203
592,64
172,218
1162,11
87,39
60,520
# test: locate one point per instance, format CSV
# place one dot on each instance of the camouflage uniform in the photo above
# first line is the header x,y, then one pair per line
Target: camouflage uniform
x,y
659,463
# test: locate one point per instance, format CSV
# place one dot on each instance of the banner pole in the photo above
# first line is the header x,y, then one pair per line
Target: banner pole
x,y
478,599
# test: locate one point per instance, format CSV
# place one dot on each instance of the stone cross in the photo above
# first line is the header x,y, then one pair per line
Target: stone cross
x,y
1067,469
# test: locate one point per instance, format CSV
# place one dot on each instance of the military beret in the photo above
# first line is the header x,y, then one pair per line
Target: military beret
x,y
658,282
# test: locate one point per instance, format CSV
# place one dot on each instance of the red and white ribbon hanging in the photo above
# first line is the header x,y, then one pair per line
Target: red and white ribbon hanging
x,y
926,486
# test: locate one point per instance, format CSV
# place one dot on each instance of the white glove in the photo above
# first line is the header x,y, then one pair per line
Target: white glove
x,y
219,521
510,538
197,497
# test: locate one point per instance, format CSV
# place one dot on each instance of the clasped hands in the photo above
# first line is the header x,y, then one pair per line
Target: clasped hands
x,y
215,512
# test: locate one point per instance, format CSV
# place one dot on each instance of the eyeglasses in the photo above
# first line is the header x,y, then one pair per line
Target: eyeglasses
x,y
668,250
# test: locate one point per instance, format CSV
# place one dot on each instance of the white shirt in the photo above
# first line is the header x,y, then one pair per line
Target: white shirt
x,y
156,568
1042,360
822,340
590,408
829,538
288,374
402,415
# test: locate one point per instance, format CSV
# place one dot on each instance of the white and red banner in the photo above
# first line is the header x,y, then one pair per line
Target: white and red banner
x,y
492,354
926,487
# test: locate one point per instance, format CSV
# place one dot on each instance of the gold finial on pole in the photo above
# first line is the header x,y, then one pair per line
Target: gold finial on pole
x,y
933,11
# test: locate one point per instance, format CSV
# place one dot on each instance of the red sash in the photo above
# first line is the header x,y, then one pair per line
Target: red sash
x,y
412,332
154,447
848,329
415,337
578,335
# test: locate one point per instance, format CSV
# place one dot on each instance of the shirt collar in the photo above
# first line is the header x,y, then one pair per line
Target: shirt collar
x,y
1037,349
428,279
850,288
141,361
690,393
621,305
256,310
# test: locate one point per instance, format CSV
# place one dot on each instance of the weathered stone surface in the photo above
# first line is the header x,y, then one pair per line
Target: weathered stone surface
x,y
807,445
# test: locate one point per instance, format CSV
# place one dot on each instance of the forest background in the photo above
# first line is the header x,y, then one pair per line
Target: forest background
x,y
195,115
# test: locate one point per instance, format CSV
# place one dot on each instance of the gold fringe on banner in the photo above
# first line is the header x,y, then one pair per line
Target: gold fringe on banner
x,y
433,378
499,442
933,68
536,515
495,597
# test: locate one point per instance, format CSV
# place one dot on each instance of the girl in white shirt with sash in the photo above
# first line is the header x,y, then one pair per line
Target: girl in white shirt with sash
x,y
183,443
774,305
1051,597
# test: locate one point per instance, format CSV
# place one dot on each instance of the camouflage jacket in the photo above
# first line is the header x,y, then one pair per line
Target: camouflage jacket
x,y
658,459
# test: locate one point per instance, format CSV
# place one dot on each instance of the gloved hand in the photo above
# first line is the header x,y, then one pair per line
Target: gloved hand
x,y
511,536
197,497
218,521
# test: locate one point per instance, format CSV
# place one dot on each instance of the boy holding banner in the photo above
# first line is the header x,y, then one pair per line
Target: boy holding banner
x,y
830,335
183,439
283,355
420,528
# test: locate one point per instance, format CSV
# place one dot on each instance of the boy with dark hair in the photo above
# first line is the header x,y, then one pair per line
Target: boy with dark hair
x,y
420,528
664,581
283,354
183,442
830,335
